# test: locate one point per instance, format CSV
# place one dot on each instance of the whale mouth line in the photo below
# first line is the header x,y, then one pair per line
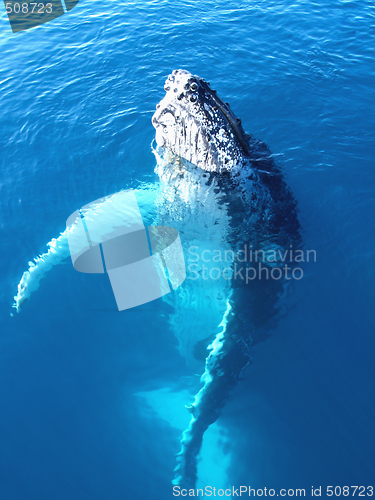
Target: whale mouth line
x,y
233,123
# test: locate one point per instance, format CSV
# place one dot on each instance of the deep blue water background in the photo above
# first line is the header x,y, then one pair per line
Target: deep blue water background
x,y
77,96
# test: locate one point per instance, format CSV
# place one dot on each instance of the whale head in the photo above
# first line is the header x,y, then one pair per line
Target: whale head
x,y
193,123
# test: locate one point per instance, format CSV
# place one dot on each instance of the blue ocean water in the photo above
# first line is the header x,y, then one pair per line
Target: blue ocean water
x,y
77,96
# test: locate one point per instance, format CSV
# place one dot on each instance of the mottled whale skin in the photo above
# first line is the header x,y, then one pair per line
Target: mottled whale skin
x,y
222,189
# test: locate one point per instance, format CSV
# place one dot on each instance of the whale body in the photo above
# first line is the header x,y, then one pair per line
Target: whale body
x,y
224,193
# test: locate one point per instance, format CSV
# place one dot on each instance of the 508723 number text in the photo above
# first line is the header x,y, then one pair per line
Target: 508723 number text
x,y
25,8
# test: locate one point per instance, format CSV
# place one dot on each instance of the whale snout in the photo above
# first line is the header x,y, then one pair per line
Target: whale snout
x,y
183,85
172,118
194,123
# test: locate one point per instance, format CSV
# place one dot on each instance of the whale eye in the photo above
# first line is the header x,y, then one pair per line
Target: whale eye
x,y
194,86
193,98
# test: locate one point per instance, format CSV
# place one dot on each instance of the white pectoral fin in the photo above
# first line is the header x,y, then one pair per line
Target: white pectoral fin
x,y
101,217
57,252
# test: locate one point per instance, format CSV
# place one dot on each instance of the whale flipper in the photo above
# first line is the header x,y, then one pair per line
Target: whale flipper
x,y
58,248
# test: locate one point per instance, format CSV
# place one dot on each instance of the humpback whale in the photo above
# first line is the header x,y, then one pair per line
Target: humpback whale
x,y
237,220
223,191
